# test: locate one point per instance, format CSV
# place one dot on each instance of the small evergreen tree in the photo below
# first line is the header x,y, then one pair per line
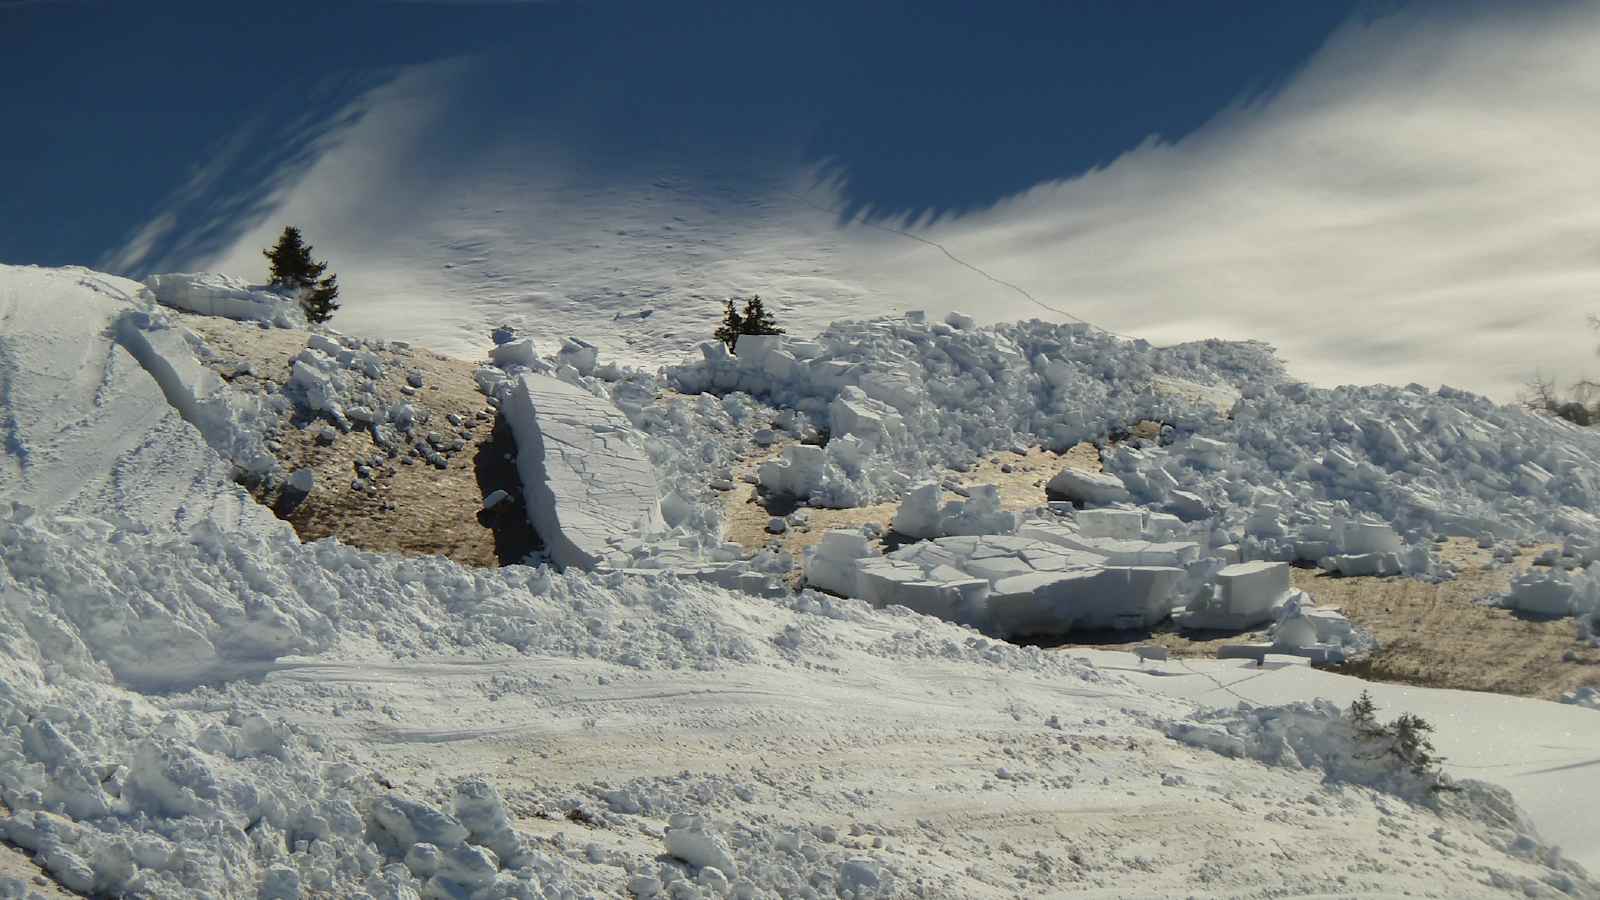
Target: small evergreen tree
x,y
754,320
732,326
318,303
1411,745
296,272
1363,715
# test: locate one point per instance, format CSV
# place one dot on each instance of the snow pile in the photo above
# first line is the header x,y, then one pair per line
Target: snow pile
x,y
1311,474
1244,595
1555,592
923,514
920,396
1292,473
211,294
585,476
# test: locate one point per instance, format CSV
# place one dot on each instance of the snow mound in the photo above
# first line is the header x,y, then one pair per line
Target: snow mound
x,y
585,475
921,396
1555,592
211,294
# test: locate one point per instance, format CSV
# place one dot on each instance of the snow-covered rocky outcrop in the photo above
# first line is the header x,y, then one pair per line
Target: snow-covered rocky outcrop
x,y
585,475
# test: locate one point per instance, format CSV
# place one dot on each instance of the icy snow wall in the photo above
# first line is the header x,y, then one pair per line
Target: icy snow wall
x,y
585,475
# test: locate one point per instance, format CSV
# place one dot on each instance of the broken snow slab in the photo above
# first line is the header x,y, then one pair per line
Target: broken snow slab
x,y
1007,586
1245,595
585,475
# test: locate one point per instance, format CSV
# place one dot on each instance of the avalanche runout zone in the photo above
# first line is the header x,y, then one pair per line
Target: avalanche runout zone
x,y
369,725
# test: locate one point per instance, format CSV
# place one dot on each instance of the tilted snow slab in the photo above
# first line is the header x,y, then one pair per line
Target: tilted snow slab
x,y
585,476
210,294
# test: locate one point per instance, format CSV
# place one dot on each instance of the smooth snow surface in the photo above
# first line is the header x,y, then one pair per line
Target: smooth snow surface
x,y
1371,219
1543,752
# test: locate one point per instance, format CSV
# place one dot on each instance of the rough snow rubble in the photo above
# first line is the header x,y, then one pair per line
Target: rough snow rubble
x,y
1305,473
587,480
920,396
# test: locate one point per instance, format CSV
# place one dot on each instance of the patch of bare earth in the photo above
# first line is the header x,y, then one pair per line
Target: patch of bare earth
x,y
403,504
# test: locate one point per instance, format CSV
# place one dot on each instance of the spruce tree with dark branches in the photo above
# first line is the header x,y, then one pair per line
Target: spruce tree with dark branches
x,y
294,271
754,320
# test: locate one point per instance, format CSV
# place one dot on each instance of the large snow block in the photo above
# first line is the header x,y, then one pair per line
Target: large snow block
x,y
1117,524
1245,595
220,295
1252,588
1055,603
585,475
1087,487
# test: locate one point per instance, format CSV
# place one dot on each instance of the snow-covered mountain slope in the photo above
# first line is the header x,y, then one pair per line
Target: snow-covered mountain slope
x,y
1422,186
191,705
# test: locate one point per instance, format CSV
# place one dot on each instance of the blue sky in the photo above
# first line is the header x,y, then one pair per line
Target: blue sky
x,y
934,107
1385,191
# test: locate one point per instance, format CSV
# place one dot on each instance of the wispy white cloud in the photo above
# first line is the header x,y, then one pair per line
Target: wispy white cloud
x,y
1421,202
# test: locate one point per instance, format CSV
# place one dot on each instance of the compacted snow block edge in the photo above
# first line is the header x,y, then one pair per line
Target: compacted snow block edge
x,y
585,477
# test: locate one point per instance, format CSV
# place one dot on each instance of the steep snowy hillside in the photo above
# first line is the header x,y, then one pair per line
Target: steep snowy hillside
x,y
1372,218
193,702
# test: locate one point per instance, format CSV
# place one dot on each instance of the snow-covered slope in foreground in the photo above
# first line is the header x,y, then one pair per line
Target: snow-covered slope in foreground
x,y
201,705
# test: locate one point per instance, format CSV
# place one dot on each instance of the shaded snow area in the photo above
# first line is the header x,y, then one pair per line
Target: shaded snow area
x,y
193,702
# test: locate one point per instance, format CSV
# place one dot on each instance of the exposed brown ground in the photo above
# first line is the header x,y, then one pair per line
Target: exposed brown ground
x,y
413,508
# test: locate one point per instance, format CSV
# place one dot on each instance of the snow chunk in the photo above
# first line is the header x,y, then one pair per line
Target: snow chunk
x,y
1246,594
230,298
585,475
1087,487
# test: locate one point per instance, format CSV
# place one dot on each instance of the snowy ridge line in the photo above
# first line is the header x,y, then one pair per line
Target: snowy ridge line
x,y
1026,294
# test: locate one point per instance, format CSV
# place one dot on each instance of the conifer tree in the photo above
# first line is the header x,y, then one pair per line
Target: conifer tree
x,y
296,272
756,318
318,303
732,326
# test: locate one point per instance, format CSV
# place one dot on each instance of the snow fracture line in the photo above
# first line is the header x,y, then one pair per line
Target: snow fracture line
x,y
961,262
